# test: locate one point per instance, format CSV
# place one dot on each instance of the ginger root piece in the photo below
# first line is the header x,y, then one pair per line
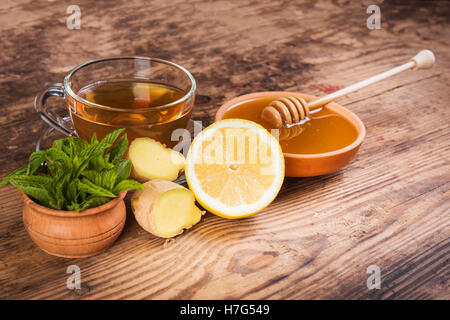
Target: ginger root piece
x,y
165,208
152,160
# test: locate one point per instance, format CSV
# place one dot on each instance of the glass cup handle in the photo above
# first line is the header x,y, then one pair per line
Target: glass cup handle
x,y
62,124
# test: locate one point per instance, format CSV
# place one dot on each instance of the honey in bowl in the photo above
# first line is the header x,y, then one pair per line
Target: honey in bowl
x,y
142,110
325,131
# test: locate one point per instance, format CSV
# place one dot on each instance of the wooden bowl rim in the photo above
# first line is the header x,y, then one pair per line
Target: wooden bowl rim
x,y
72,214
349,115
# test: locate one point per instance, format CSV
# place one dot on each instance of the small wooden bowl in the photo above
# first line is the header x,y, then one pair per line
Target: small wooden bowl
x,y
309,165
72,234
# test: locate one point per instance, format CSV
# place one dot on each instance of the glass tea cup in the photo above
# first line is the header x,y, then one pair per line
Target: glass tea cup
x,y
148,97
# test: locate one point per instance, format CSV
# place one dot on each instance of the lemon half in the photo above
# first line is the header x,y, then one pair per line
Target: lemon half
x,y
235,168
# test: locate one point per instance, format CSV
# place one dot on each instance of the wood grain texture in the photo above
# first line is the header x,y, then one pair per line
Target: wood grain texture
x,y
390,206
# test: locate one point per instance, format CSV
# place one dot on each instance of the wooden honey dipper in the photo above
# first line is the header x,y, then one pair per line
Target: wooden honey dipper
x,y
288,112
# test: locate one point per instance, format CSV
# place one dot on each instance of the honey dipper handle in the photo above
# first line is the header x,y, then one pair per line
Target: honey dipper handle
x,y
423,60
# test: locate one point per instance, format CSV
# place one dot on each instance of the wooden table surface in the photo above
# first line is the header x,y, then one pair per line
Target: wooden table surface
x,y
389,207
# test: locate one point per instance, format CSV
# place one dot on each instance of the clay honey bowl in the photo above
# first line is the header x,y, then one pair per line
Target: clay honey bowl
x,y
309,165
72,234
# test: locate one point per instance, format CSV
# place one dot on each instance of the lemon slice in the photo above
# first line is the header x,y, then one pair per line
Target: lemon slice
x,y
235,168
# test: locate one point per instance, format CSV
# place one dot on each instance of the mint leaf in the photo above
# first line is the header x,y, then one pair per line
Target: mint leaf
x,y
58,144
93,176
111,137
94,139
78,145
59,184
127,185
94,150
36,192
109,179
65,146
97,163
118,150
89,187
72,191
54,154
74,206
58,158
57,204
81,195
40,194
17,172
4,182
35,161
81,162
31,181
123,169
93,202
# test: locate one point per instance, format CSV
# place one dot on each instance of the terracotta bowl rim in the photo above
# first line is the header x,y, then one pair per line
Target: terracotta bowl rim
x,y
355,144
72,214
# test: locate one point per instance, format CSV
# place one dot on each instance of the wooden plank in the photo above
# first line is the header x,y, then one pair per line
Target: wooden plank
x,y
388,207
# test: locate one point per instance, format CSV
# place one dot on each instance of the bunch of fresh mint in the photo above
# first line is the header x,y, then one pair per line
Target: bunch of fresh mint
x,y
76,175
